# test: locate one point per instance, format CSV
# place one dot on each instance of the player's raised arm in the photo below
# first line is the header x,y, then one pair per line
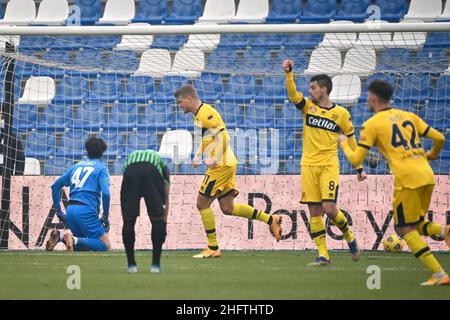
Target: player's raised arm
x,y
295,96
426,131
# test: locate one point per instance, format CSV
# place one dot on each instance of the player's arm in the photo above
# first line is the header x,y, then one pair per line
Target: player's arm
x,y
356,156
426,131
349,132
61,182
106,194
295,97
221,143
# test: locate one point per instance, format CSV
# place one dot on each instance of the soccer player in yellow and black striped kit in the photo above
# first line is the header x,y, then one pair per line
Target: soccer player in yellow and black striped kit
x,y
219,182
396,134
322,122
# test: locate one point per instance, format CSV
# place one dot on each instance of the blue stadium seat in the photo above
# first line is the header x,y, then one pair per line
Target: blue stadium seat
x,y
23,69
272,41
240,89
236,40
259,116
345,166
169,42
2,12
231,114
223,60
115,143
67,42
91,11
209,86
442,91
416,87
395,60
34,42
57,57
122,61
40,145
187,169
25,117
290,118
167,88
138,89
297,54
441,167
72,144
302,83
360,113
304,40
256,60
291,166
389,77
185,11
273,90
117,166
151,11
141,141
57,166
283,11
157,116
56,117
183,121
106,88
431,61
101,42
289,145
121,116
436,114
319,11
71,90
89,116
438,40
89,58
353,10
392,10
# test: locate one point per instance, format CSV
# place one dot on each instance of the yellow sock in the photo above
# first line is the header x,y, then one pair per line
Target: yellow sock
x,y
341,222
428,228
245,211
209,223
319,235
421,250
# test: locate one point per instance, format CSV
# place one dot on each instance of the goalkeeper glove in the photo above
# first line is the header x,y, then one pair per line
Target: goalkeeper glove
x,y
105,223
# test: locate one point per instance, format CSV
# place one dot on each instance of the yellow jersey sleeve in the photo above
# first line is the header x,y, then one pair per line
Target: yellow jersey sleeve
x,y
211,121
347,126
421,125
297,98
368,135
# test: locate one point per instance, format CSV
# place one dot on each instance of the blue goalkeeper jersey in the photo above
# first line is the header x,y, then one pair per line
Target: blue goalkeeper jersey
x,y
88,180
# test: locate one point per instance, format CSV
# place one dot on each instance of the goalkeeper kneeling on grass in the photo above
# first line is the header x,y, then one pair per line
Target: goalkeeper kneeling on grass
x,y
88,181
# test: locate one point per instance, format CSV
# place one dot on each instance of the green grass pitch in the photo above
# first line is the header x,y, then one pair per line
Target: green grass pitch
x,y
237,275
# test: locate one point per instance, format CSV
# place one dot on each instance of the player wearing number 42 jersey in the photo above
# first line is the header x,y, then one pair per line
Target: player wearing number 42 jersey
x,y
396,133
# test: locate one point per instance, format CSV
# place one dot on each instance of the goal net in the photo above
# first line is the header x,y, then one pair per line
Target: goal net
x,y
62,86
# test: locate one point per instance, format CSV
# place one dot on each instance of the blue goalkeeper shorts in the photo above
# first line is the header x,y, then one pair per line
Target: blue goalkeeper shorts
x,y
84,222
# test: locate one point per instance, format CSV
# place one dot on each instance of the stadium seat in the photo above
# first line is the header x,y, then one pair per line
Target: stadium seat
x,y
259,116
394,60
57,166
359,61
38,90
319,11
59,58
168,86
442,91
118,12
438,40
291,167
140,140
39,145
89,116
138,89
185,11
240,89
392,10
34,42
117,166
32,167
2,12
176,145
290,118
424,10
138,43
341,41
121,116
431,60
122,62
270,41
297,54
436,115
23,70
55,117
375,40
204,42
223,60
72,144
187,169
283,11
324,60
251,11
231,114
157,117
169,42
220,11
354,10
154,63
67,43
91,10
289,145
52,12
101,42
91,59
209,86
273,90
183,121
389,77
19,12
188,63
305,40
71,90
115,143
415,87
360,113
411,40
256,60
151,11
346,89
25,117
445,16
106,88
303,82
237,41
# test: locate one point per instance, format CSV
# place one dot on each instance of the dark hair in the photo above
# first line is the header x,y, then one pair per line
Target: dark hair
x,y
186,91
95,147
382,89
323,81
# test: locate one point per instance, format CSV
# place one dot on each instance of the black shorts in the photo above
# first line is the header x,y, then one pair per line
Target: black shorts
x,y
142,180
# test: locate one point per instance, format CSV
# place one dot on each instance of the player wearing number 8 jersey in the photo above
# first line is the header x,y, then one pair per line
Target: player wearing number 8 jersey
x,y
396,134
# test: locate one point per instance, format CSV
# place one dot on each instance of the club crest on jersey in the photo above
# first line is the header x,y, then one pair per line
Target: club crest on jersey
x,y
321,123
313,109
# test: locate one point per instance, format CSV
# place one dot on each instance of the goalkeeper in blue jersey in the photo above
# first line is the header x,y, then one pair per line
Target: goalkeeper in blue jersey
x,y
88,181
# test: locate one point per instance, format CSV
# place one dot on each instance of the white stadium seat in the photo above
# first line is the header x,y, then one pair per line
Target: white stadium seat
x,y
138,43
52,12
220,11
118,12
204,42
339,40
324,60
410,40
252,11
19,12
359,61
155,63
38,90
376,40
177,145
346,89
428,10
188,63
32,167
